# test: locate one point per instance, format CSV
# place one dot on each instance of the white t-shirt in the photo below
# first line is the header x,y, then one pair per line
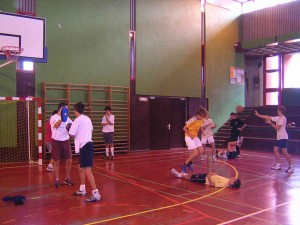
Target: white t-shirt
x,y
281,132
82,130
109,127
207,132
60,133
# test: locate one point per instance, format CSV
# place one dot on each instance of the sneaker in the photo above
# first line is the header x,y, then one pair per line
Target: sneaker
x,y
190,166
68,182
81,193
94,198
203,158
238,156
276,167
111,158
176,173
240,141
105,157
184,168
214,159
57,183
290,169
50,168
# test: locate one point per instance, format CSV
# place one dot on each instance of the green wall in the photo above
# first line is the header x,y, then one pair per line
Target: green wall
x,y
168,48
87,42
222,32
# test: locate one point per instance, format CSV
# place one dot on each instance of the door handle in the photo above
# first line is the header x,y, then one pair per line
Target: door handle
x,y
169,126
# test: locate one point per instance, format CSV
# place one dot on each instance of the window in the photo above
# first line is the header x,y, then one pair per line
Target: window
x,y
25,66
291,70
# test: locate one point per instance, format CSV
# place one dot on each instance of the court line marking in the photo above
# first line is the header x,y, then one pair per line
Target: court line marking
x,y
184,198
9,221
181,196
238,203
166,207
252,214
158,193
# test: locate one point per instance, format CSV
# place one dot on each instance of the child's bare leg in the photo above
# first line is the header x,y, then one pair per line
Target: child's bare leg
x,y
277,155
287,155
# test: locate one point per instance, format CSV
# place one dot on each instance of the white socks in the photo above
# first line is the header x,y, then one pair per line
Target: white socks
x,y
95,192
82,187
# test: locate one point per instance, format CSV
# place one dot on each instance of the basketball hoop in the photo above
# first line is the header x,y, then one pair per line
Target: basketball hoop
x,y
12,54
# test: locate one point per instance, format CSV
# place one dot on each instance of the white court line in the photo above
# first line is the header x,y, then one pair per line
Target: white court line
x,y
252,214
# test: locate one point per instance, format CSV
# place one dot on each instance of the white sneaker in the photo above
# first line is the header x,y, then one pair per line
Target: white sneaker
x,y
240,141
176,173
276,167
50,168
238,156
290,169
93,198
214,159
203,157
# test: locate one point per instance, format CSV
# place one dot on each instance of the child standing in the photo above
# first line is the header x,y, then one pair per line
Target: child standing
x,y
82,130
108,130
207,136
48,142
282,137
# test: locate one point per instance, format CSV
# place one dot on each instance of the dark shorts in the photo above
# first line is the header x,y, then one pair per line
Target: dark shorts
x,y
199,178
86,155
108,138
61,150
282,143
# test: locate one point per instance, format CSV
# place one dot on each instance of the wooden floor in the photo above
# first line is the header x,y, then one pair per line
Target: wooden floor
x,y
138,188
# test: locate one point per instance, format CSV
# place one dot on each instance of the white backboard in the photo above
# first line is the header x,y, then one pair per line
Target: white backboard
x,y
26,32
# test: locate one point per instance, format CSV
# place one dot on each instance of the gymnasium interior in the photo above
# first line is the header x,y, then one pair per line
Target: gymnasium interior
x,y
154,62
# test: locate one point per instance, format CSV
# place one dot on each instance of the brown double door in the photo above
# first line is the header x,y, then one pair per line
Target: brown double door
x,y
167,118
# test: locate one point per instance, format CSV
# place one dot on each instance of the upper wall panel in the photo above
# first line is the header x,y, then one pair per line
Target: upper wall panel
x,y
168,48
88,42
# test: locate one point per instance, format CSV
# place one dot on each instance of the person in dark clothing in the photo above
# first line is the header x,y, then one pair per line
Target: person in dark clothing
x,y
237,125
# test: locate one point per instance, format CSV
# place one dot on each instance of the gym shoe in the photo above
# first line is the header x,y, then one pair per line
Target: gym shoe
x,y
50,168
176,173
214,159
81,193
111,158
190,166
276,167
290,169
57,183
94,198
239,156
68,182
203,158
184,168
240,141
105,157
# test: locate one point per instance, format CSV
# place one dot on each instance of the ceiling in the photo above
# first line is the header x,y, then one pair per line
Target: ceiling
x,y
228,4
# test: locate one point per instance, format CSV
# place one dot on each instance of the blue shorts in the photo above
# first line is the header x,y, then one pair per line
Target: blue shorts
x,y
108,138
282,143
199,178
86,155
